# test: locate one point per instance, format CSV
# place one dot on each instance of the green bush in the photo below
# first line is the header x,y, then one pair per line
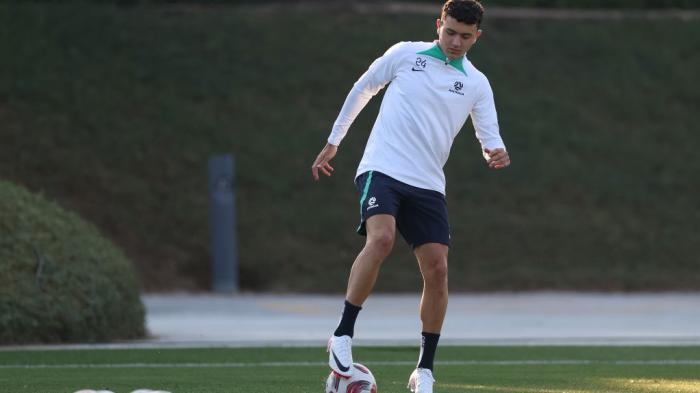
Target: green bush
x,y
60,280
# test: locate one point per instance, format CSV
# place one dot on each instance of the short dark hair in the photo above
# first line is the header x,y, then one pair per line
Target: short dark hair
x,y
470,12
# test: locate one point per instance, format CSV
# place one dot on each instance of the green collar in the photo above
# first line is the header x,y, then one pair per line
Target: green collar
x,y
437,53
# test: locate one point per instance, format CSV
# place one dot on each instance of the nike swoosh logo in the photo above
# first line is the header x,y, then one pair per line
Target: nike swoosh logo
x,y
340,365
416,69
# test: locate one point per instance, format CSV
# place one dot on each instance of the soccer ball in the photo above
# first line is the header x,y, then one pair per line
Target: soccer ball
x,y
362,381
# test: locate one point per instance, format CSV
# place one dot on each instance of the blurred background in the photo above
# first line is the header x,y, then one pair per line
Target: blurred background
x,y
112,109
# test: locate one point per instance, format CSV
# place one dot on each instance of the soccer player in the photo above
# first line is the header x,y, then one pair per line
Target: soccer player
x,y
433,89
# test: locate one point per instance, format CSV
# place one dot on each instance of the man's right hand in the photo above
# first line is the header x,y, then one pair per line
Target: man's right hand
x,y
321,163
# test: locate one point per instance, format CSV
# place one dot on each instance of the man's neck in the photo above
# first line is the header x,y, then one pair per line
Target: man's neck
x,y
449,59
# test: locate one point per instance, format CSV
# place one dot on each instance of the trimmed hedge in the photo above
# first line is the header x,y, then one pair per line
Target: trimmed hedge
x,y
60,280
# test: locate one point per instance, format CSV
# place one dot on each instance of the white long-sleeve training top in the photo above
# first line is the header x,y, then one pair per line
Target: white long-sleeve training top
x,y
426,104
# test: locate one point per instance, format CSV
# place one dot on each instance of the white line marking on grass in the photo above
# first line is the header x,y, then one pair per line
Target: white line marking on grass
x,y
660,362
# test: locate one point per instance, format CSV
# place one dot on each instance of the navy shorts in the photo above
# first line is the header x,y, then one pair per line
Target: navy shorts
x,y
421,214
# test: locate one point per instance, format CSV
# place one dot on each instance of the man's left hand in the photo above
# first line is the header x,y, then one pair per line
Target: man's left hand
x,y
498,158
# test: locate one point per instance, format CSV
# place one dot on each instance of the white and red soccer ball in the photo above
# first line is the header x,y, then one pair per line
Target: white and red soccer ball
x,y
361,381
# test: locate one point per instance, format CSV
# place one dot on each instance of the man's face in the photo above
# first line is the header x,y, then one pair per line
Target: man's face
x,y
455,38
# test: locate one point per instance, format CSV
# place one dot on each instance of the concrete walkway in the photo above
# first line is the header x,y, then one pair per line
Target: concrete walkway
x,y
550,318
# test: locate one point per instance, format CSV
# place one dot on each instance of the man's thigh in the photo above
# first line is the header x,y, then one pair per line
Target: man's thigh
x,y
378,196
422,218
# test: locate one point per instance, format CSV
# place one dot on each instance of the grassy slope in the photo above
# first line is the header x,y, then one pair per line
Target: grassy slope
x,y
600,376
114,111
615,4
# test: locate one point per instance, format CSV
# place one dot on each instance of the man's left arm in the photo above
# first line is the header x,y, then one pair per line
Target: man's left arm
x,y
485,120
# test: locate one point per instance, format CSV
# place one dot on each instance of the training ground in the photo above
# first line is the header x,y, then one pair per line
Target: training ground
x,y
496,343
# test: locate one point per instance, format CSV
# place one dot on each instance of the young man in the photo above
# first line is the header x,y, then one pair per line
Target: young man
x,y
433,90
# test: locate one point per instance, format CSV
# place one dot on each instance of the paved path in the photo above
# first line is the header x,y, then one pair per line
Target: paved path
x,y
493,319
541,318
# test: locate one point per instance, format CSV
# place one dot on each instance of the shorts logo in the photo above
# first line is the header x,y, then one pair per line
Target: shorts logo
x,y
372,203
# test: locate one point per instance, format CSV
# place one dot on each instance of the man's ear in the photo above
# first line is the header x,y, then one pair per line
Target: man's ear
x,y
438,24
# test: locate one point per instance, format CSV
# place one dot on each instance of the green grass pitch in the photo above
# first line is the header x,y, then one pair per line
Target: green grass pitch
x,y
492,369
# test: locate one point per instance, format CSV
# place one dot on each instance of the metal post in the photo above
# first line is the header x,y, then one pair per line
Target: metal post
x,y
222,223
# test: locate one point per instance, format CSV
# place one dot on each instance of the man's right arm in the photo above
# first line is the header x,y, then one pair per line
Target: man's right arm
x,y
321,163
380,72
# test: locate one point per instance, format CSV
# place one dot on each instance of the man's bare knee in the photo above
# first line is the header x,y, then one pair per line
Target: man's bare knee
x,y
381,242
433,264
435,270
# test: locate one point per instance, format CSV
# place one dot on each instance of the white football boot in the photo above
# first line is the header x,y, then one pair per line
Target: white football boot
x,y
421,381
340,355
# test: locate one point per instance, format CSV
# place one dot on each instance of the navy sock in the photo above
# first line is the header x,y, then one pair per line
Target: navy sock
x,y
428,346
346,326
